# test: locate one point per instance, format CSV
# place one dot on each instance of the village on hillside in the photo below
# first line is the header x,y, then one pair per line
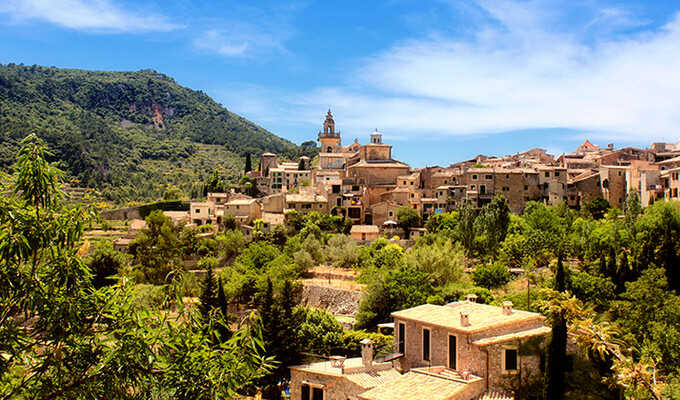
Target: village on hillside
x,y
365,184
461,350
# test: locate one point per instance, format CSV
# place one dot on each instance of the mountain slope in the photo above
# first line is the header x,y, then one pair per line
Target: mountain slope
x,y
109,130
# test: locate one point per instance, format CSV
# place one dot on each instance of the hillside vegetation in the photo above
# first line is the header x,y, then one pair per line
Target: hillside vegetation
x,y
132,135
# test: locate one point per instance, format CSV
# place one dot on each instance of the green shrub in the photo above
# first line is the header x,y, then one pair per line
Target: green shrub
x,y
491,276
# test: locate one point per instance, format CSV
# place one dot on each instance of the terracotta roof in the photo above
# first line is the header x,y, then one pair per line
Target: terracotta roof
x,y
380,164
496,395
364,229
416,385
482,316
369,380
587,144
305,198
540,331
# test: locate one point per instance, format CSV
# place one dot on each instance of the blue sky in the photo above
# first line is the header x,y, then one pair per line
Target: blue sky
x,y
442,80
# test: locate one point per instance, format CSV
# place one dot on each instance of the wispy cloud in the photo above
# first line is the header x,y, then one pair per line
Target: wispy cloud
x,y
522,69
240,39
88,15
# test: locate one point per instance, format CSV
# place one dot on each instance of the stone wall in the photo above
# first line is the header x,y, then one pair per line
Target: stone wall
x,y
129,213
335,301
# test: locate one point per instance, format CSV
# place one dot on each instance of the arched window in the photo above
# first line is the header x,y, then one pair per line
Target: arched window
x,y
329,150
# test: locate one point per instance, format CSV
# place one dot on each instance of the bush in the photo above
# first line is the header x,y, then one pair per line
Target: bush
x,y
342,251
491,276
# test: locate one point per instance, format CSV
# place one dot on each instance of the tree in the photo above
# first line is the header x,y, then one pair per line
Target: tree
x,y
88,342
492,223
394,290
249,166
214,185
596,207
104,263
158,249
465,229
557,346
208,297
408,218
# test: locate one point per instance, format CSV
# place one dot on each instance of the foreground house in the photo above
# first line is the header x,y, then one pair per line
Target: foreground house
x,y
459,351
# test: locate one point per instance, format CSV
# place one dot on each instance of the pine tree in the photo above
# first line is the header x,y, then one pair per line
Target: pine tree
x,y
557,346
249,165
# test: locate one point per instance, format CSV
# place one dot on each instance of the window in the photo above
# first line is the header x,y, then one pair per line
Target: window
x,y
510,360
452,352
474,176
445,182
411,183
547,174
526,187
311,393
506,188
402,337
336,188
390,213
426,344
198,211
473,187
404,183
507,176
557,173
413,195
488,177
355,188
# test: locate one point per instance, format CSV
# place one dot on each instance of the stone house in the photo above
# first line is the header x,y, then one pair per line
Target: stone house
x,y
364,233
245,210
384,211
469,338
306,201
340,378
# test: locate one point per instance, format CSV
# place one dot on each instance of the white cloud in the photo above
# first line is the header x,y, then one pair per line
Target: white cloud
x,y
88,15
238,39
519,72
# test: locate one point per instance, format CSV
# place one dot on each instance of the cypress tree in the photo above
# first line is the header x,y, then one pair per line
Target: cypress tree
x,y
557,346
249,166
208,298
224,330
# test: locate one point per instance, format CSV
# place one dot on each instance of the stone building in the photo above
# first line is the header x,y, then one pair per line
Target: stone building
x,y
470,338
340,378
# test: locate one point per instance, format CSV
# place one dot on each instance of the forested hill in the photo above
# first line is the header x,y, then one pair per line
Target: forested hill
x,y
120,130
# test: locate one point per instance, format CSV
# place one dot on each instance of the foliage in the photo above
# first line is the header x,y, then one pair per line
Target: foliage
x,y
88,342
208,297
130,135
491,276
319,332
105,262
342,251
596,207
395,289
407,218
157,249
352,342
492,224
441,260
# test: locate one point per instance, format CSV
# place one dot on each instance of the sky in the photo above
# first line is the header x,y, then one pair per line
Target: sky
x,y
442,80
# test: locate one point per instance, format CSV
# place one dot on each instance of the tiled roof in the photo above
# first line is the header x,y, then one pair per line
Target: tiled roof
x,y
305,198
541,330
369,380
380,164
482,316
241,202
365,229
415,385
496,395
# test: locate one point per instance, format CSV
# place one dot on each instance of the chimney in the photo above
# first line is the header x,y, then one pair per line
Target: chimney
x,y
367,352
507,307
471,297
464,318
